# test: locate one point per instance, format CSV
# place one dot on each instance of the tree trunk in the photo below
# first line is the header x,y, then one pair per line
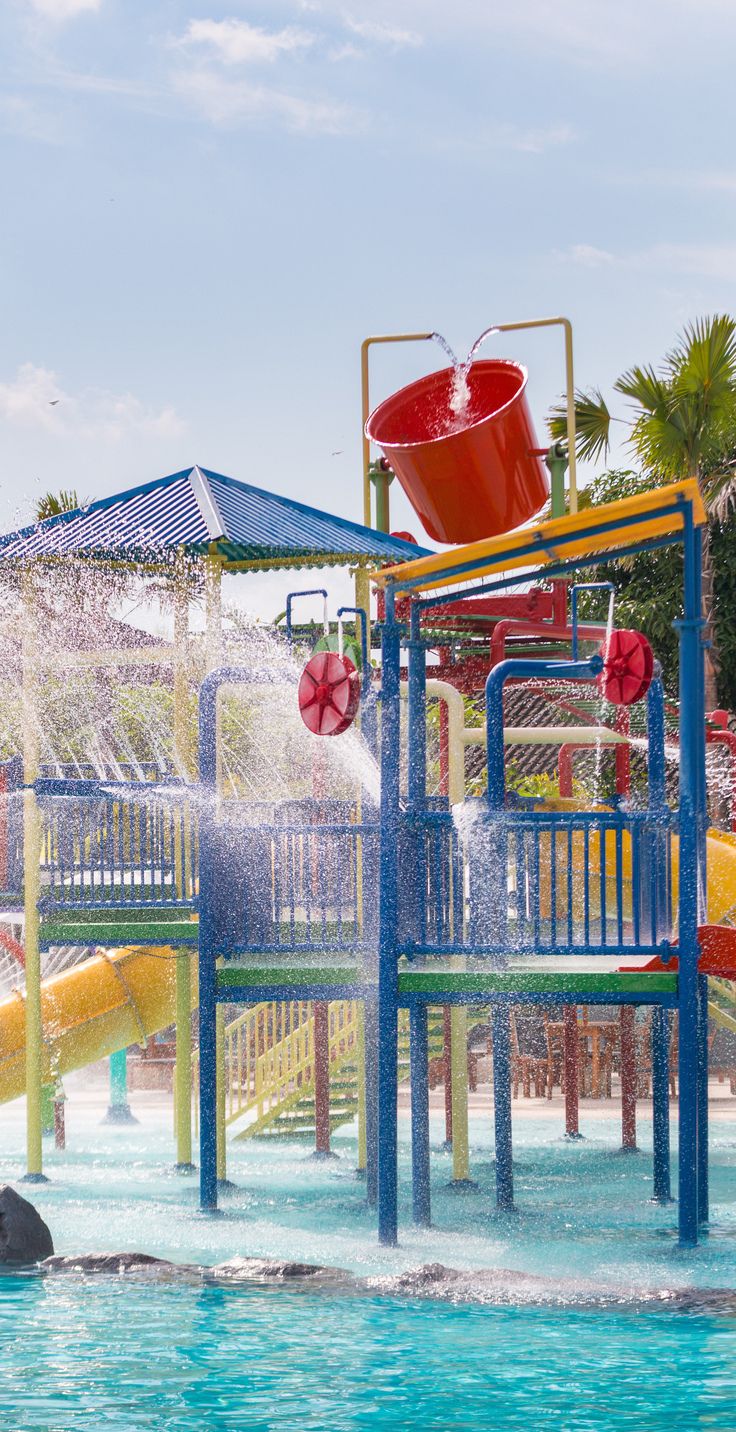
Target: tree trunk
x,y
712,663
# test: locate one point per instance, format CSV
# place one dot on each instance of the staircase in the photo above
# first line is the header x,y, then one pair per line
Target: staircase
x,y
269,1063
722,1004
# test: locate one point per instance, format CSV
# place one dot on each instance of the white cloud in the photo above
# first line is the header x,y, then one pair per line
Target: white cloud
x,y
230,102
513,138
19,115
703,260
63,9
35,398
235,42
591,257
383,34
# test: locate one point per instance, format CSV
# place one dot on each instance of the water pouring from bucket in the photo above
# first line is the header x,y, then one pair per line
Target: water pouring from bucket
x,y
462,444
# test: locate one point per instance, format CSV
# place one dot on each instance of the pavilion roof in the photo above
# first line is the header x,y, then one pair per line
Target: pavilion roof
x,y
201,512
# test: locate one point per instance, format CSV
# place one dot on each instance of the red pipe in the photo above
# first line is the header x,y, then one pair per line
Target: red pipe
x,y
547,629
628,1077
322,1077
59,1124
565,770
723,737
13,948
571,1055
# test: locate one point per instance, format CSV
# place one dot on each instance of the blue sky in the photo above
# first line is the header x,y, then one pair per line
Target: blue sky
x,y
207,206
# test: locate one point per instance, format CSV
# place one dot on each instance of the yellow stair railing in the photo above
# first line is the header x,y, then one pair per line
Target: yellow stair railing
x,y
269,1058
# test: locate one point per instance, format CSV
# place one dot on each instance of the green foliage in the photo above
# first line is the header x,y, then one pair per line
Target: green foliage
x,y
648,587
683,422
54,503
542,786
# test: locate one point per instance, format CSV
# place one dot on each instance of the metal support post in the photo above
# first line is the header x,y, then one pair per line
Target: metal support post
x,y
703,1201
418,1055
183,1066
32,889
628,1078
322,1079
500,1020
119,1111
388,927
661,1102
370,1022
570,1055
692,748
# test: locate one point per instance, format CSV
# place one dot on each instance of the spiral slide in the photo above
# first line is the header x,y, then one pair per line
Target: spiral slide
x,y
89,1011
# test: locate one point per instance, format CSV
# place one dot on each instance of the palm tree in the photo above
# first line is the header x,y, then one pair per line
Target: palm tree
x,y
52,504
683,425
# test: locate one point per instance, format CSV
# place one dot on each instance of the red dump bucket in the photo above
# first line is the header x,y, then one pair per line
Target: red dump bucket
x,y
467,476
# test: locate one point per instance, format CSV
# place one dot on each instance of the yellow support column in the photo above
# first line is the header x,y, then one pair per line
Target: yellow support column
x,y
458,1013
183,1068
31,890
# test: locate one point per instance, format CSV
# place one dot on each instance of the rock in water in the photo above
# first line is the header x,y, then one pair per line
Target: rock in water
x,y
118,1263
24,1237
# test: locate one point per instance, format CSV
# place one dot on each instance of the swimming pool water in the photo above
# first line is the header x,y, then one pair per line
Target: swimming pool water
x,y
121,1355
130,1354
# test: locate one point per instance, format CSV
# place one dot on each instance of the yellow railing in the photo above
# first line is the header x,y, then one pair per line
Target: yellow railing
x,y
269,1056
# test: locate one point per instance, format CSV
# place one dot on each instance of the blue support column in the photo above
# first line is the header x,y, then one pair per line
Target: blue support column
x,y
692,759
703,1209
418,1053
502,1105
370,1025
388,927
207,954
661,1102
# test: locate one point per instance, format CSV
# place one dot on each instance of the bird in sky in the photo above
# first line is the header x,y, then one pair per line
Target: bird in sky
x,y
53,402
338,453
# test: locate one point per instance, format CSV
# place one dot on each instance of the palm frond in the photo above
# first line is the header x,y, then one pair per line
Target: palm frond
x,y
719,491
704,359
54,503
645,388
592,424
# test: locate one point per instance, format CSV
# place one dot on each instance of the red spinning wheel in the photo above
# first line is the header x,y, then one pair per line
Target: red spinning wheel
x,y
328,694
628,665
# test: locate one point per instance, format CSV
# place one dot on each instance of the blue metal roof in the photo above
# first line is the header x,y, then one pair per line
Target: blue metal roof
x,y
201,511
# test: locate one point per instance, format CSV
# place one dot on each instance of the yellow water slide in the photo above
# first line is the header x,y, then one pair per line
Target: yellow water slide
x,y
720,855
89,1011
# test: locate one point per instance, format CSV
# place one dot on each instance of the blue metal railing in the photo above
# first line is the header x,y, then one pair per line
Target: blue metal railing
x,y
529,882
124,846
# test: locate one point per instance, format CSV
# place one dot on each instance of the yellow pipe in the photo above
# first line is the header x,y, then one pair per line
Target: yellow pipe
x,y
569,389
366,408
33,1041
89,1011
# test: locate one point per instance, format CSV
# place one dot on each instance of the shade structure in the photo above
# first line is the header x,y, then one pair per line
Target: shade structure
x,y
199,512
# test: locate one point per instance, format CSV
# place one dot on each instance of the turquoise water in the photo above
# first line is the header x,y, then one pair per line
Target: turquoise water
x,y
124,1353
111,1354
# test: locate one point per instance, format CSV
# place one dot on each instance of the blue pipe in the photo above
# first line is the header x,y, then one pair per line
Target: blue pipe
x,y
365,675
418,1059
661,1103
388,926
500,1023
692,735
526,670
225,676
582,587
312,592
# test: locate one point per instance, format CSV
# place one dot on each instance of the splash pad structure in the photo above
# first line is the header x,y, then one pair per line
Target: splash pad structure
x,y
384,906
